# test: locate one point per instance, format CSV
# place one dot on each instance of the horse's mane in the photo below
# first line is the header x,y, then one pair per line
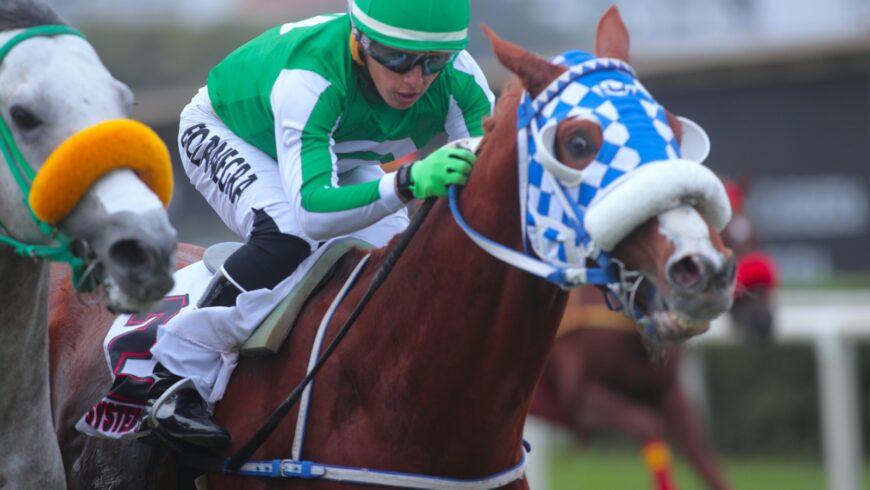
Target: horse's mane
x,y
507,101
20,14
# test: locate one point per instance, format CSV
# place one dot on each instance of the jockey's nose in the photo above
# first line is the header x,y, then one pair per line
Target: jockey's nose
x,y
414,76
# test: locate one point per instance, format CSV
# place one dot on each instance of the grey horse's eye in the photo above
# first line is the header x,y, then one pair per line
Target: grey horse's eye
x,y
24,119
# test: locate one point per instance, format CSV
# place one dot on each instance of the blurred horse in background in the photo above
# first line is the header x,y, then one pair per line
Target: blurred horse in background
x,y
434,382
757,273
79,183
601,378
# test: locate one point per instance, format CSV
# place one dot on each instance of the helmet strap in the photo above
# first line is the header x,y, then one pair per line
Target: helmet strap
x,y
355,49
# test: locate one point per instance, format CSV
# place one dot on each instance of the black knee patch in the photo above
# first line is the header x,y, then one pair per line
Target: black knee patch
x,y
268,257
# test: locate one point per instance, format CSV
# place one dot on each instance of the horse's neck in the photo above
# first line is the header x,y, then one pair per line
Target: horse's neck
x,y
25,412
475,332
23,337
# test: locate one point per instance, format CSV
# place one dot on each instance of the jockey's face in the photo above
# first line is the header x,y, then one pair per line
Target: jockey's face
x,y
399,91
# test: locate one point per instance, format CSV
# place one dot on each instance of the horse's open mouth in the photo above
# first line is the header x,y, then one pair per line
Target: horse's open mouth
x,y
669,326
660,321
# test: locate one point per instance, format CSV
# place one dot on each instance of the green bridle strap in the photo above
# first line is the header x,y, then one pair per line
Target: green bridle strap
x,y
38,31
24,174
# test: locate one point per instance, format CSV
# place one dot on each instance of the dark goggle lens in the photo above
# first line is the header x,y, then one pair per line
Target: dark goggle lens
x,y
402,61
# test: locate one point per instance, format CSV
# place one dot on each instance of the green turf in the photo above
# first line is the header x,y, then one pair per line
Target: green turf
x,y
622,469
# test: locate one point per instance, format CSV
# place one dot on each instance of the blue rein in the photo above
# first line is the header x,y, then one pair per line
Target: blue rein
x,y
565,277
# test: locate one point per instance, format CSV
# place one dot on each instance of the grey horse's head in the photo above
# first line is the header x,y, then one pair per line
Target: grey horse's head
x,y
54,89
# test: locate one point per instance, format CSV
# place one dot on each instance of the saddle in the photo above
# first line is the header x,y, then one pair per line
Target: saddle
x,y
268,338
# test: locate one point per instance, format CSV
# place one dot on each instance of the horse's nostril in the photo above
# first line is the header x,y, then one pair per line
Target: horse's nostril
x,y
688,273
128,253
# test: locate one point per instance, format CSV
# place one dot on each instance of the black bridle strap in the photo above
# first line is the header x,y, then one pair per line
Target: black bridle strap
x,y
244,454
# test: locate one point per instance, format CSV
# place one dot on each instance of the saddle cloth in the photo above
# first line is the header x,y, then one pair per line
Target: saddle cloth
x,y
127,346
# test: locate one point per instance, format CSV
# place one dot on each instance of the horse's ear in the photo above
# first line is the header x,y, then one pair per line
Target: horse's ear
x,y
611,36
535,72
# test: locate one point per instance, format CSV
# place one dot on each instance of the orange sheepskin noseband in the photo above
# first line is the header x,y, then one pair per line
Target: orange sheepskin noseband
x,y
93,152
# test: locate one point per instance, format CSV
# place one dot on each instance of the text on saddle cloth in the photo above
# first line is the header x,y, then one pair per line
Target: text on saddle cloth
x,y
129,340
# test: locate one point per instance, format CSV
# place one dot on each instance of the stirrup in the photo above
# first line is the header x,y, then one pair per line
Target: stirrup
x,y
151,421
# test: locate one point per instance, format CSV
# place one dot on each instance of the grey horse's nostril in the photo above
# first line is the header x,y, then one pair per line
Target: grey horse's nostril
x,y
689,273
128,254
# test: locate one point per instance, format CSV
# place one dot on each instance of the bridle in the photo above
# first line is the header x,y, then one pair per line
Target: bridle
x,y
53,193
570,219
620,283
61,250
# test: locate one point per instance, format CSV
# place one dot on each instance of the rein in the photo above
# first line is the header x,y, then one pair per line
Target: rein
x,y
566,277
610,273
22,171
240,463
236,461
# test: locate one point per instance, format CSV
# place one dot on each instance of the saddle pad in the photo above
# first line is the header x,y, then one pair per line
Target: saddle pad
x,y
128,343
270,335
118,415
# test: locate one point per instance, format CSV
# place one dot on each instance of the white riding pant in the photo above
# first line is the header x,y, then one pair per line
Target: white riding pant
x,y
236,179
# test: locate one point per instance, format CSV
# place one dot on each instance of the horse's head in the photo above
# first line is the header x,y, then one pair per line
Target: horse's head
x,y
612,188
96,181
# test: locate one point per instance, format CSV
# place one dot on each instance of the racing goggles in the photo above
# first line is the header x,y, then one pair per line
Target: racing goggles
x,y
402,62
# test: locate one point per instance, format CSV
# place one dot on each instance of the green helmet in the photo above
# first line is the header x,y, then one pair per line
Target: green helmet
x,y
413,25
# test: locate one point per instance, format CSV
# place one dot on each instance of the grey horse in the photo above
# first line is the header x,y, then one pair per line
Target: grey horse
x,y
51,88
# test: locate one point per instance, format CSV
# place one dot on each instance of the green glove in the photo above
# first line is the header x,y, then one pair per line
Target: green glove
x,y
445,166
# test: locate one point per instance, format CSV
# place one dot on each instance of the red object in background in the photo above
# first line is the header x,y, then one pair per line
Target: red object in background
x,y
756,270
735,196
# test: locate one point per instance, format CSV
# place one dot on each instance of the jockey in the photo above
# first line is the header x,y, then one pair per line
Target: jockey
x,y
285,143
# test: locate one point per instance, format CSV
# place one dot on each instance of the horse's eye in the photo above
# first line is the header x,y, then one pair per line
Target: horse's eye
x,y
578,146
24,119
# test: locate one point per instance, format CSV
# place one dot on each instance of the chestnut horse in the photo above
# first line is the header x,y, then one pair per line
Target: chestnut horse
x,y
436,377
67,193
600,377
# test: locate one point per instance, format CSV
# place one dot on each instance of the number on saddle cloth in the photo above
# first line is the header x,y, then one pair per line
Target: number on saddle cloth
x,y
128,344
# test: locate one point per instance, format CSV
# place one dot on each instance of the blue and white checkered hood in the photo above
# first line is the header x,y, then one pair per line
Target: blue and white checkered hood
x,y
639,172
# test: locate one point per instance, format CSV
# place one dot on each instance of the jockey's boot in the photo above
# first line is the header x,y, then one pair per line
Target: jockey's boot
x,y
178,411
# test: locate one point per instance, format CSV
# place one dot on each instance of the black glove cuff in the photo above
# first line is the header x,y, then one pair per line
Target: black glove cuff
x,y
403,182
